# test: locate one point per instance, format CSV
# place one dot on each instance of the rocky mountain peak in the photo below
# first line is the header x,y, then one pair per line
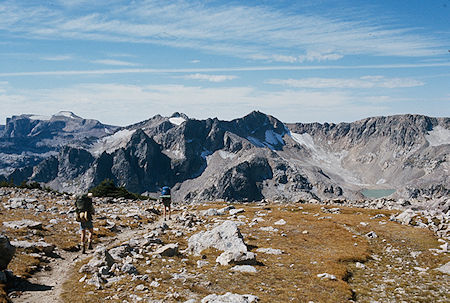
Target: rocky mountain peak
x,y
253,157
66,114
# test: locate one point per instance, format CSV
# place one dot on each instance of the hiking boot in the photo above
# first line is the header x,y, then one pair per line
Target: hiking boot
x,y
83,251
90,245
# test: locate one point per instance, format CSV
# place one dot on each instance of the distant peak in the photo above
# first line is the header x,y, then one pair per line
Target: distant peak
x,y
67,114
178,118
179,115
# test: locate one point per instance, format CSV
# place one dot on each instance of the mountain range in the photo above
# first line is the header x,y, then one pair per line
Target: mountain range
x,y
251,158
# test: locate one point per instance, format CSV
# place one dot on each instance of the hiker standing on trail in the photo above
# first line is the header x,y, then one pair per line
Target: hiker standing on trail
x,y
166,200
84,211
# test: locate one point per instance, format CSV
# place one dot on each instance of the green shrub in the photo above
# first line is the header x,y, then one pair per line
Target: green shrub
x,y
107,188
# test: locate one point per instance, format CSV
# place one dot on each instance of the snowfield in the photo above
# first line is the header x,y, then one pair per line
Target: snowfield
x,y
111,143
438,136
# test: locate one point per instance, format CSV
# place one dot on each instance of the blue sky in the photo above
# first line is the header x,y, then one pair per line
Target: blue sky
x,y
301,61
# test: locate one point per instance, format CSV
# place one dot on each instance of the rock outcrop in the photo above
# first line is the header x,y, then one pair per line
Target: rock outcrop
x,y
6,252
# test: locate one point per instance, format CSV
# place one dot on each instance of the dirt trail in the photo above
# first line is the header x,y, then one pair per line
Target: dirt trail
x,y
46,286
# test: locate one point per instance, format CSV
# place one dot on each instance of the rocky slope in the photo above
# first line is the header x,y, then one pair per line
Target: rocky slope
x,y
259,157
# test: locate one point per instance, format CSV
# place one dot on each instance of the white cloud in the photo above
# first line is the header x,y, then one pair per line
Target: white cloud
x,y
234,29
117,103
114,62
363,82
210,78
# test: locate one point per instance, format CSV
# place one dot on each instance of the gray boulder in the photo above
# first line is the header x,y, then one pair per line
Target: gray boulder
x,y
101,258
237,258
445,268
168,250
6,252
35,247
23,224
225,237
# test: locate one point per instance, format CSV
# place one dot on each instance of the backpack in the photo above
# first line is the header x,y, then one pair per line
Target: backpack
x,y
165,191
83,206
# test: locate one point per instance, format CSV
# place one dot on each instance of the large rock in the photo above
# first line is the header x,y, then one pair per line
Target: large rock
x,y
225,237
237,258
23,224
230,298
36,247
6,252
168,250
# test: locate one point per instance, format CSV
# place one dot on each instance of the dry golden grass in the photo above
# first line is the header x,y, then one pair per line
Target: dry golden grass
x,y
328,246
331,245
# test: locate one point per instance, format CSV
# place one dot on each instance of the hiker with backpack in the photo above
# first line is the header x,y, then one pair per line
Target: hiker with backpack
x,y
166,200
84,209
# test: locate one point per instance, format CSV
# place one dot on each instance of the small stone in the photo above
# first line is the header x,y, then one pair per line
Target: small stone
x,y
270,251
244,268
360,265
327,276
280,222
371,235
236,211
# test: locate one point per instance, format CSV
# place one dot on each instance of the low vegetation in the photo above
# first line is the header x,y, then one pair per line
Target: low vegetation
x,y
313,241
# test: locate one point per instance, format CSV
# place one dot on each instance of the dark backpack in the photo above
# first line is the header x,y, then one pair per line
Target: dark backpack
x,y
83,203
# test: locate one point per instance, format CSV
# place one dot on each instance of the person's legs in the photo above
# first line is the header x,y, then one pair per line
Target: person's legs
x,y
90,233
83,237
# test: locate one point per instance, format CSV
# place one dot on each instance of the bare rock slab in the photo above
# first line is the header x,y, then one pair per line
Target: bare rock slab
x,y
230,298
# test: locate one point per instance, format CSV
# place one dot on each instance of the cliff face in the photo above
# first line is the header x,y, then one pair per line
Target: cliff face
x,y
258,156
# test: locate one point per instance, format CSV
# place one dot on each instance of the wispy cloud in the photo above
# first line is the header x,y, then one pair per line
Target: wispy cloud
x,y
114,62
210,78
363,82
222,69
234,29
116,103
58,58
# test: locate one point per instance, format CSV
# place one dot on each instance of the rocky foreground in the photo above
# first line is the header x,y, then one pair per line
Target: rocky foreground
x,y
336,251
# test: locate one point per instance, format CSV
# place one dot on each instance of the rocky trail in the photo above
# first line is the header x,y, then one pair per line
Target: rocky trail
x,y
46,286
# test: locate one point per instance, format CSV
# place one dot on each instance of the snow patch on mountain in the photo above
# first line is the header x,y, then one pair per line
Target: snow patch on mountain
x,y
226,155
273,138
438,136
66,114
177,120
39,117
111,143
304,139
255,141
